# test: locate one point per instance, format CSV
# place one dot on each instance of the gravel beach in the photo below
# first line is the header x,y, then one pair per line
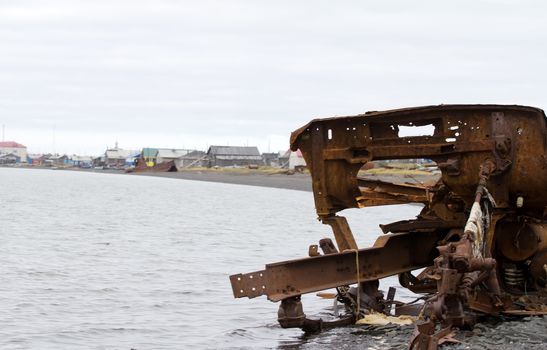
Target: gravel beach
x,y
296,181
299,182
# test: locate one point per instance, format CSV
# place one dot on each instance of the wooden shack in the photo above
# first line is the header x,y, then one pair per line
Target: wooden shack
x,y
234,156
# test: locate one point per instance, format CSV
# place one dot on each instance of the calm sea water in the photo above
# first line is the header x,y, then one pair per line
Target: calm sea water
x,y
103,261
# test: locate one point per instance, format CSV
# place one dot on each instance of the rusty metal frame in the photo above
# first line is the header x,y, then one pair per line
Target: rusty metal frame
x,y
465,135
493,167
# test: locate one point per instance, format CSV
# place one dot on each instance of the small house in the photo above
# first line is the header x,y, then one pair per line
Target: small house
x,y
233,156
292,160
271,159
192,159
58,160
81,161
117,157
36,159
149,155
99,162
9,158
16,149
165,155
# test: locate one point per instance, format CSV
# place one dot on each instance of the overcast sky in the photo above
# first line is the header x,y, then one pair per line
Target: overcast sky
x,y
75,76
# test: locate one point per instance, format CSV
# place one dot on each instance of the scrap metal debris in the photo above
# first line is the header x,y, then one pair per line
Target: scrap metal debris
x,y
481,237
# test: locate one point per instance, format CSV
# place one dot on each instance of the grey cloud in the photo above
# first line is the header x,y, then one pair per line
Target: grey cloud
x,y
254,69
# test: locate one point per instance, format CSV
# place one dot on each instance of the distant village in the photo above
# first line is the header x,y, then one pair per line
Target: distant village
x,y
163,159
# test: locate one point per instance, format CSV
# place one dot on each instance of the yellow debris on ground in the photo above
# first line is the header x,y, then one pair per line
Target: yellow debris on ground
x,y
326,295
381,319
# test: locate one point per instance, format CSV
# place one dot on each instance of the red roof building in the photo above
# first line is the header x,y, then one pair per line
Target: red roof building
x,y
11,144
14,148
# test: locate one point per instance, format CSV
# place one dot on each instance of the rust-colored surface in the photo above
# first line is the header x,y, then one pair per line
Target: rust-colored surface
x,y
482,233
161,167
390,255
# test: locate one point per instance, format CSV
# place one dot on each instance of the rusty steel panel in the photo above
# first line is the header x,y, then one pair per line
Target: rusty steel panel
x,y
465,135
168,166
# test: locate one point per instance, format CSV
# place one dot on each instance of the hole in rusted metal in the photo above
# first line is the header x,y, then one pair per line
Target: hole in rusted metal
x,y
413,131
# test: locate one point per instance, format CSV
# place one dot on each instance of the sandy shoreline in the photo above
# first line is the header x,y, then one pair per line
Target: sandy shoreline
x,y
298,182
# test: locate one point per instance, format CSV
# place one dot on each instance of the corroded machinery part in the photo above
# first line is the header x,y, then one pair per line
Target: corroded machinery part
x,y
427,337
460,270
291,315
518,241
481,239
521,248
458,138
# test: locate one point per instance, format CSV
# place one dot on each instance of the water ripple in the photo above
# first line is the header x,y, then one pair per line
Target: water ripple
x,y
94,261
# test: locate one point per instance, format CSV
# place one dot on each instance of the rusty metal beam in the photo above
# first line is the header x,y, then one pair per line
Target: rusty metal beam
x,y
393,188
390,255
342,232
377,192
420,224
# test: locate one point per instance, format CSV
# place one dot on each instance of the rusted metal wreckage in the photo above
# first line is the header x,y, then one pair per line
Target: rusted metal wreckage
x,y
481,238
141,166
